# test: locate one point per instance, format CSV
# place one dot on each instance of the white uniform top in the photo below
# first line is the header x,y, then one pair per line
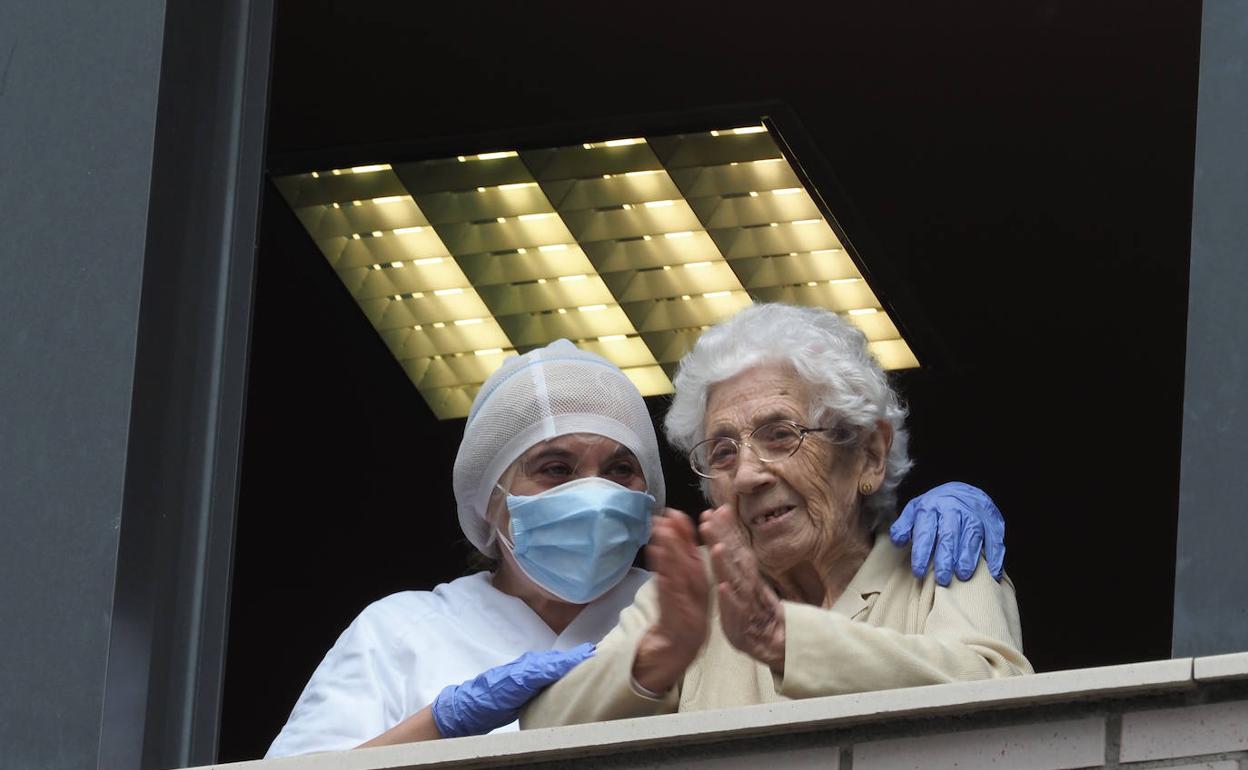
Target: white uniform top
x,y
402,650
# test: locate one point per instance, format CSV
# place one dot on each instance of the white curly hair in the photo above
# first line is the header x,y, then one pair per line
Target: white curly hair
x,y
827,352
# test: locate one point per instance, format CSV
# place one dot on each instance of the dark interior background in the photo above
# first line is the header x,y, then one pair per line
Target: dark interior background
x,y
1024,170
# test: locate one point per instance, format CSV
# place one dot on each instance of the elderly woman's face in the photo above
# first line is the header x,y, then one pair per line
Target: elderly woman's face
x,y
799,508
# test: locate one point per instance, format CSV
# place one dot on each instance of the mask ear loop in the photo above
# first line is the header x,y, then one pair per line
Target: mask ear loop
x,y
496,534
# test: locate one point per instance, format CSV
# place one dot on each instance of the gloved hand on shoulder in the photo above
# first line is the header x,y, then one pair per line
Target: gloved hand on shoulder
x,y
955,520
494,697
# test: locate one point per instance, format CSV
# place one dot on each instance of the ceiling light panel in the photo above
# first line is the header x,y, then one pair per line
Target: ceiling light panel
x,y
525,262
645,240
631,247
389,256
771,232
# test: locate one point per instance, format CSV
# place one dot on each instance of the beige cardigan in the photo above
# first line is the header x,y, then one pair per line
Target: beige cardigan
x,y
888,629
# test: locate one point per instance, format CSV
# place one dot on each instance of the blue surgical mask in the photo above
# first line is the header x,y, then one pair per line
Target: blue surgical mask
x,y
579,539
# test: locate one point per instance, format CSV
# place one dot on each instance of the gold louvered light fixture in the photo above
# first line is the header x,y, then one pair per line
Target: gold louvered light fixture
x,y
628,247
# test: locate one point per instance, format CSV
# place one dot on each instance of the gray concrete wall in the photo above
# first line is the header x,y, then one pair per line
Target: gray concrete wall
x,y
1211,583
78,92
1187,713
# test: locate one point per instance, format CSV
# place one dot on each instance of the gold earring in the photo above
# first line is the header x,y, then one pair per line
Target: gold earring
x,y
866,487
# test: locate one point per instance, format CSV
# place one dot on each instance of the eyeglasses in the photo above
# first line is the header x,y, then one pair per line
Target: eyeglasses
x,y
771,443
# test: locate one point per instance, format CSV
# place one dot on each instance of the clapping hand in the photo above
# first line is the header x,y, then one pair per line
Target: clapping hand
x,y
751,613
671,644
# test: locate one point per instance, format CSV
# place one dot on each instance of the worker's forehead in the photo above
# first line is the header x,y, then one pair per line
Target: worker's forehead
x,y
578,444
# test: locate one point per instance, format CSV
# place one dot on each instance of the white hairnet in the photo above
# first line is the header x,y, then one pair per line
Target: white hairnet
x,y
548,392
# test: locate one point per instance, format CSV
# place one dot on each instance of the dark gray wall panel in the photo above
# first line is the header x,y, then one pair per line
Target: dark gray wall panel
x,y
1210,610
78,85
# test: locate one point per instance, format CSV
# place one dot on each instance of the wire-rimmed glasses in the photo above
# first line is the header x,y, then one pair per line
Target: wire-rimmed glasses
x,y
770,442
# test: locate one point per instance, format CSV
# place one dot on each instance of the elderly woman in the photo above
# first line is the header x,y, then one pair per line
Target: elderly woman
x,y
800,441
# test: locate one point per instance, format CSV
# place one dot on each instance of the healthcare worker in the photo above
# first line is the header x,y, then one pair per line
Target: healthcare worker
x,y
556,478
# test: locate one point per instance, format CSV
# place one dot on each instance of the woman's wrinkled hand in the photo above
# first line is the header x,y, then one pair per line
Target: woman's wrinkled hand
x,y
671,644
751,613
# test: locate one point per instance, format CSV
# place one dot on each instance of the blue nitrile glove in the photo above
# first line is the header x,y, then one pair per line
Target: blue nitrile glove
x,y
958,519
494,697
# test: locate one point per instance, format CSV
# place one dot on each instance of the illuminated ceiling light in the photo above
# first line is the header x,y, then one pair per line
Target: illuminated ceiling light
x,y
613,143
601,234
740,131
370,169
